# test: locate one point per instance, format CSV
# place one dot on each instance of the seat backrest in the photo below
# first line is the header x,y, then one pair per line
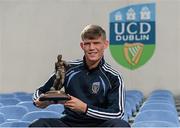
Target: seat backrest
x,y
157,115
20,93
1,105
159,101
128,109
154,124
29,105
40,114
56,108
158,106
15,124
13,111
2,118
132,103
7,95
9,101
24,98
161,91
167,98
135,93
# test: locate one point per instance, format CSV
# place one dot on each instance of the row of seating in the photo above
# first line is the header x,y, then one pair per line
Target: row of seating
x,y
133,101
25,114
14,98
11,104
158,104
17,110
158,110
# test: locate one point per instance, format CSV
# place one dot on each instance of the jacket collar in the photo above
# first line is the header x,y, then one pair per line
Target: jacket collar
x,y
102,61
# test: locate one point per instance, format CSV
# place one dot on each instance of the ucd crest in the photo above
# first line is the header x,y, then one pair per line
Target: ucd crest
x,y
132,34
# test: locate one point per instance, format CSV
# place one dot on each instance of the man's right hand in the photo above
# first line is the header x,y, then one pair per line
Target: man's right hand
x,y
42,104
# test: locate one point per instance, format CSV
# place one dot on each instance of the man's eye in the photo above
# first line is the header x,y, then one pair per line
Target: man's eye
x,y
86,43
96,42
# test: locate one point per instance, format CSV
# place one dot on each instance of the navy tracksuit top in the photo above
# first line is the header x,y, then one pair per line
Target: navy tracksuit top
x,y
101,88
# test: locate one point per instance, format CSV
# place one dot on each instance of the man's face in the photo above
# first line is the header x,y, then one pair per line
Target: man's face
x,y
94,49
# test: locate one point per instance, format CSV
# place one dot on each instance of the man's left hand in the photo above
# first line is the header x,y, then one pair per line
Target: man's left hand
x,y
76,104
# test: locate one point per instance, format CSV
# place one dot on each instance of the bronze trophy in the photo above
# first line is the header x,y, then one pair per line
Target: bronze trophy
x,y
55,94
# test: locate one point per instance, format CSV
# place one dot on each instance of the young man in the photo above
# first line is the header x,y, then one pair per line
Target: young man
x,y
96,90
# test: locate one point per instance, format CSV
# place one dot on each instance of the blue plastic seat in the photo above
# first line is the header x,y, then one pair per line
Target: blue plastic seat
x,y
56,108
7,95
135,99
150,101
1,105
161,91
125,117
9,101
157,115
20,93
161,98
136,93
29,105
31,116
23,124
132,103
24,97
153,124
161,95
158,106
13,112
2,118
128,109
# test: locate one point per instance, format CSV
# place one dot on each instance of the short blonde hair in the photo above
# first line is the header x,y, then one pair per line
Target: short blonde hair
x,y
93,32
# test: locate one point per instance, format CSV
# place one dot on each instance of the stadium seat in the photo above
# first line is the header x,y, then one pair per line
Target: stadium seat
x,y
29,105
56,108
24,98
20,93
157,115
132,104
158,106
1,104
40,114
159,101
162,95
126,117
2,118
136,93
9,101
7,95
153,124
161,91
128,109
13,112
171,99
22,124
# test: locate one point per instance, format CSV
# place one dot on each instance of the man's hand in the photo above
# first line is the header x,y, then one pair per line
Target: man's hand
x,y
43,104
76,104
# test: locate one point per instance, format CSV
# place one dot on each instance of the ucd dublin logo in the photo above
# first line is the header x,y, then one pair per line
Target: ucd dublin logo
x,y
132,34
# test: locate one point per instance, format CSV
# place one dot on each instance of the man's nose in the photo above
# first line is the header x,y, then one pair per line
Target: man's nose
x,y
91,46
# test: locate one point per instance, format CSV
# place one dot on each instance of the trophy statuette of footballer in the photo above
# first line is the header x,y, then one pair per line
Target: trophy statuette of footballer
x,y
55,94
60,70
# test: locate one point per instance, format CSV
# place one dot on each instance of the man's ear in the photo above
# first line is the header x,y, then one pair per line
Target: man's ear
x,y
82,45
106,44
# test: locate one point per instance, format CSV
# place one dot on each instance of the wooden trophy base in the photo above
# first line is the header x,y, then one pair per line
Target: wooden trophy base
x,y
56,96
